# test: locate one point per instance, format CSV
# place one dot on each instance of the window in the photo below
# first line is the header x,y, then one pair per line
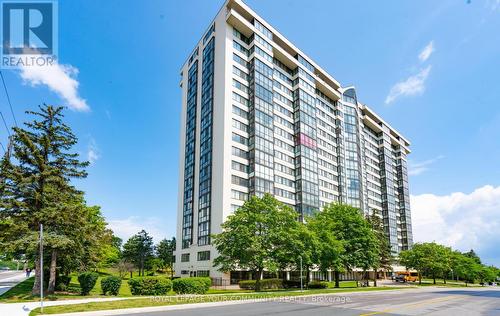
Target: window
x,y
210,31
305,63
240,139
242,37
240,99
240,126
240,73
239,153
262,53
203,255
240,112
237,195
239,166
239,85
239,181
185,257
240,60
263,29
264,43
203,273
284,193
240,48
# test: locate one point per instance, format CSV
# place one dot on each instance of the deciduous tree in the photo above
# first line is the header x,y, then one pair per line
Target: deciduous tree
x,y
256,236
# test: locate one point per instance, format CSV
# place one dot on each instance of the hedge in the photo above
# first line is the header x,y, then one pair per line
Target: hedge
x,y
288,284
247,284
111,285
196,285
87,281
62,282
150,285
317,285
265,284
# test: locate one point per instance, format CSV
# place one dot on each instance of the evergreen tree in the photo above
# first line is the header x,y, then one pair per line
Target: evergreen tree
x,y
35,186
165,252
472,254
138,250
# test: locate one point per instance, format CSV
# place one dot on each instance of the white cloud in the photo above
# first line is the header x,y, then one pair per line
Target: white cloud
x,y
416,168
127,227
461,220
92,152
426,52
414,85
60,79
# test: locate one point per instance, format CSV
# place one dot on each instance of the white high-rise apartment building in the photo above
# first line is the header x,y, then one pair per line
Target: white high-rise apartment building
x,y
258,115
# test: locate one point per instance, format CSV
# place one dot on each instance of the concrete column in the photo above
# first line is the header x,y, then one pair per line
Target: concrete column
x,y
288,275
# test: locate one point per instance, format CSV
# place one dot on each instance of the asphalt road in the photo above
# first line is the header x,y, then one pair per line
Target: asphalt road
x,y
423,301
10,278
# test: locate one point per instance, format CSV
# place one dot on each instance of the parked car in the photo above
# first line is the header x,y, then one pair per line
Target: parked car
x,y
4,268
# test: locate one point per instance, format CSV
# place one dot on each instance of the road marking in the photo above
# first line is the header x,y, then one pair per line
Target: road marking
x,y
413,305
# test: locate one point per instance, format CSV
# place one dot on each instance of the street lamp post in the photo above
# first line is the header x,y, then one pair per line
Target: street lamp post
x,y
41,268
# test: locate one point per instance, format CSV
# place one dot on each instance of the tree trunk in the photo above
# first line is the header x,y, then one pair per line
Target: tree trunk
x,y
258,278
375,275
52,276
434,279
419,278
444,279
36,286
337,278
131,274
308,276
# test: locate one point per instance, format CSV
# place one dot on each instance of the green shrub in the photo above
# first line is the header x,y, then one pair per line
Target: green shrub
x,y
87,281
111,285
197,285
288,284
265,284
62,282
317,285
271,284
247,284
150,285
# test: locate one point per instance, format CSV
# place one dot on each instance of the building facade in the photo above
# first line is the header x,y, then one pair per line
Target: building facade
x,y
259,116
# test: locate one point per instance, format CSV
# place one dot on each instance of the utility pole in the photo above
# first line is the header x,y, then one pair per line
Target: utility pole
x,y
41,268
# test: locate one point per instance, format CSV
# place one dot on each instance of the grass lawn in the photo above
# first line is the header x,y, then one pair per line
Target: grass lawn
x,y
449,283
22,291
174,300
343,284
19,292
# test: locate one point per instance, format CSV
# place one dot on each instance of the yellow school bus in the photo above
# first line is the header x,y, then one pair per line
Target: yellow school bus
x,y
406,276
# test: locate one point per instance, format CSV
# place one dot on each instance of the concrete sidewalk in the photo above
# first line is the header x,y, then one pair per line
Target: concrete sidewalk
x,y
23,309
9,279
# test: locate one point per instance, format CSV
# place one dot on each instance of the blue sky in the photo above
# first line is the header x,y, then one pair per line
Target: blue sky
x,y
120,60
